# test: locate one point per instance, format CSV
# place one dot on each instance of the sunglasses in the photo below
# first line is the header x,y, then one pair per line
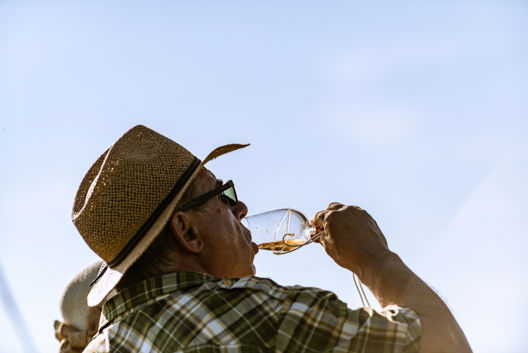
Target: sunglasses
x,y
226,193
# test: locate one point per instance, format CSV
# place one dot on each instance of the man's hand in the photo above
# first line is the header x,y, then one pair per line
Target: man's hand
x,y
353,239
351,236
72,340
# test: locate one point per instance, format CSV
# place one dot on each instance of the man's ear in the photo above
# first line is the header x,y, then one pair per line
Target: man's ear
x,y
181,224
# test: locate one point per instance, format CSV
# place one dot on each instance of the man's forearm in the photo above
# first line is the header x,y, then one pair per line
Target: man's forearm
x,y
392,282
354,240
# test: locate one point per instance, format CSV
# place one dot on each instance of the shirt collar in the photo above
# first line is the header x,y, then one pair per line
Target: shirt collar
x,y
147,291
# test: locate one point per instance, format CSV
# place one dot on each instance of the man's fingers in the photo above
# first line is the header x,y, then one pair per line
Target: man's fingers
x,y
66,330
57,325
335,206
317,236
320,217
66,347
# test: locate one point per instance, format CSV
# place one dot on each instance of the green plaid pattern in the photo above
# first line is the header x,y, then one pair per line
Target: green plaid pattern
x,y
199,313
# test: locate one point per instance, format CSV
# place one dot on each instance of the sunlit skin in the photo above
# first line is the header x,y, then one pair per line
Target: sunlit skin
x,y
353,239
72,339
214,240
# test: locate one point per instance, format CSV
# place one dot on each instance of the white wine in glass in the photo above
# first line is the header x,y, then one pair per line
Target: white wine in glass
x,y
281,231
285,230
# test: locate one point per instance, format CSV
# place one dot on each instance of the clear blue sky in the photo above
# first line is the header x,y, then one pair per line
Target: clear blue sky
x,y
416,112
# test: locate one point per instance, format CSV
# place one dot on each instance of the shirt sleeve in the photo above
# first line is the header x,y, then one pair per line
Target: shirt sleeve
x,y
316,321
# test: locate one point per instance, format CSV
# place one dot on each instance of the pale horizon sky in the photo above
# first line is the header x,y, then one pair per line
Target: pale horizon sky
x,y
415,111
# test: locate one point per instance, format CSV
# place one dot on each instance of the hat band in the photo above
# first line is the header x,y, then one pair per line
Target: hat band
x,y
154,216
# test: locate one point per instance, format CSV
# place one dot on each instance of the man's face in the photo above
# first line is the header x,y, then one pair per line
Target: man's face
x,y
228,250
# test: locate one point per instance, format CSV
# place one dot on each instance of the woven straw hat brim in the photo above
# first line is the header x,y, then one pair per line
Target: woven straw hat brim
x,y
111,277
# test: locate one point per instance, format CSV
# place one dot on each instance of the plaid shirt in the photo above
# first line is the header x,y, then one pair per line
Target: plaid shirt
x,y
199,313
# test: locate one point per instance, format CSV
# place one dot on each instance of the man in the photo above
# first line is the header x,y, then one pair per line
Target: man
x,y
182,264
80,321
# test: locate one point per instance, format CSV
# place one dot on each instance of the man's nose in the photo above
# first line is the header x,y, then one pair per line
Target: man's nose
x,y
240,210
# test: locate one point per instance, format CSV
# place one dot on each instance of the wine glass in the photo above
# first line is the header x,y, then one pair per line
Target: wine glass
x,y
281,231
285,230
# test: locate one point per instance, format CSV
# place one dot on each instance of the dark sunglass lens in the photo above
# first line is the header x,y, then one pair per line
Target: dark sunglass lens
x,y
230,196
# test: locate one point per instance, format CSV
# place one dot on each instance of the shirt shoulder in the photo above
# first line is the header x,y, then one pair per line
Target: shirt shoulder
x,y
319,320
312,318
236,312
274,290
257,312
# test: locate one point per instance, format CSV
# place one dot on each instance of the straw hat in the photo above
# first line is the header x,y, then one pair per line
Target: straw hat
x,y
128,196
